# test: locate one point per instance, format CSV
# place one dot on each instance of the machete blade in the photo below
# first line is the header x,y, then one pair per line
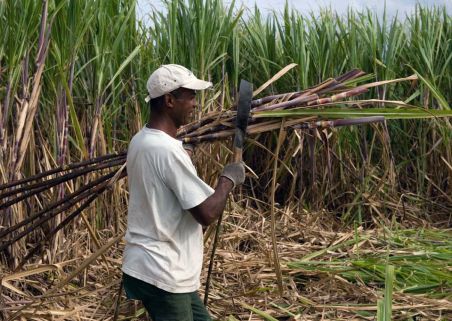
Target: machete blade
x,y
244,104
243,112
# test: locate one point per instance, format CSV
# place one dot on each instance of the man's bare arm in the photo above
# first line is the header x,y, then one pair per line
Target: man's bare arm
x,y
209,210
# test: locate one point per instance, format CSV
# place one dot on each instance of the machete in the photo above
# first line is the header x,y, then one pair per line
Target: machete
x,y
243,112
241,122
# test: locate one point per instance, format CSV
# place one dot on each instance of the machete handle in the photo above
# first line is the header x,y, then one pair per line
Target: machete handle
x,y
238,151
239,140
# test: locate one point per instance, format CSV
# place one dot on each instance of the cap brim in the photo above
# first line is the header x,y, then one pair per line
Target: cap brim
x,y
197,84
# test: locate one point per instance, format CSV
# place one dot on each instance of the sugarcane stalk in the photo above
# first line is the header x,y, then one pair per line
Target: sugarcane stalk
x,y
287,104
63,169
209,137
255,128
68,201
32,102
323,87
58,227
208,118
225,120
98,190
36,188
208,130
337,97
193,128
339,122
276,261
265,100
210,269
352,74
22,197
326,85
331,84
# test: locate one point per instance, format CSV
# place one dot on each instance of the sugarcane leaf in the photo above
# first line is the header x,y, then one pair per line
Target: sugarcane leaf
x,y
435,92
389,284
346,113
260,313
278,75
79,139
380,310
9,286
93,257
354,81
132,55
412,97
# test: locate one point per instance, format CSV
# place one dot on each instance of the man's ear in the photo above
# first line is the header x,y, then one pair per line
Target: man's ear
x,y
169,100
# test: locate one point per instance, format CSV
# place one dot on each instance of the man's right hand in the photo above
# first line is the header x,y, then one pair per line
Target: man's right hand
x,y
234,172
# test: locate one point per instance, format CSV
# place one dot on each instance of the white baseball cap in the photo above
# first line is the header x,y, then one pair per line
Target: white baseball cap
x,y
171,77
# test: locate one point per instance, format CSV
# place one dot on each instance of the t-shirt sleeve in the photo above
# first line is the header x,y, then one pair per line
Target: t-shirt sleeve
x,y
180,176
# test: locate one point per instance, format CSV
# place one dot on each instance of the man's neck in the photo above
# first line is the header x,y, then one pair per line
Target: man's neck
x,y
164,124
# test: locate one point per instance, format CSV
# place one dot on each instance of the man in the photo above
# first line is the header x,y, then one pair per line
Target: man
x,y
169,203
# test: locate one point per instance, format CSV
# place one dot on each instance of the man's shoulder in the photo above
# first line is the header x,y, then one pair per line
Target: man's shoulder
x,y
155,146
153,139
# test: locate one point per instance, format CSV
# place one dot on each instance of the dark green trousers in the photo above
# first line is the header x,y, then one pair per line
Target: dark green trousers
x,y
166,306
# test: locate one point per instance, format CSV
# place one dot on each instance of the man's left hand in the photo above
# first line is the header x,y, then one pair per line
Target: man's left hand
x,y
189,148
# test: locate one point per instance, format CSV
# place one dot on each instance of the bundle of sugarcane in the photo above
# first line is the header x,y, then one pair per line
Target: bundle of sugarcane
x,y
212,127
220,125
17,191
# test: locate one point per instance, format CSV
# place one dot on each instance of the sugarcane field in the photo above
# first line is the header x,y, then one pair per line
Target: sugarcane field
x,y
341,121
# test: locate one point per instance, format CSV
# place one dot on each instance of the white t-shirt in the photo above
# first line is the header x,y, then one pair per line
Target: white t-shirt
x,y
164,242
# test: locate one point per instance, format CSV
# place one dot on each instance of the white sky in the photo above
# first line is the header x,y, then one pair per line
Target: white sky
x,y
403,7
392,6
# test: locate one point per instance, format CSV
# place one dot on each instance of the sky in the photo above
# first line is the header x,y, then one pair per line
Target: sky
x,y
402,7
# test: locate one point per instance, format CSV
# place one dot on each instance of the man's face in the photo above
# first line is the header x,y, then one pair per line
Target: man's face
x,y
184,104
